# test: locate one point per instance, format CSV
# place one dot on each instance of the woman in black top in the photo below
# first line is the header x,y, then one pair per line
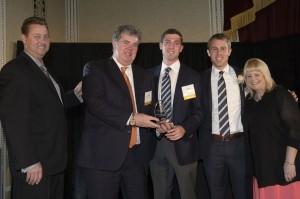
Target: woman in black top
x,y
273,123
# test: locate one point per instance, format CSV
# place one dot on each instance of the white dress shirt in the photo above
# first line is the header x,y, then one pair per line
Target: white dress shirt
x,y
233,100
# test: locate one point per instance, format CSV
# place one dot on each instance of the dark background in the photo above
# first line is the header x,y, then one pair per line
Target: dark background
x,y
66,61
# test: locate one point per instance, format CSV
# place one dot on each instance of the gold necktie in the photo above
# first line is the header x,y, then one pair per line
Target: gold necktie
x,y
134,128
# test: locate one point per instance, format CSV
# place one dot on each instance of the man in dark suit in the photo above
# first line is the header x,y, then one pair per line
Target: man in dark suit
x,y
223,154
176,150
32,112
114,149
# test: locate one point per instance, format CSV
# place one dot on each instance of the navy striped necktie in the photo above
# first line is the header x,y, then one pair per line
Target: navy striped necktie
x,y
223,107
166,94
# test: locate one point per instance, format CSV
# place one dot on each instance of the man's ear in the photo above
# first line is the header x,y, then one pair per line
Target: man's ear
x,y
208,53
23,37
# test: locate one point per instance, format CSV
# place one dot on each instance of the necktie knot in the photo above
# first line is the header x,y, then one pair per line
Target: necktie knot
x,y
44,69
167,70
221,73
123,69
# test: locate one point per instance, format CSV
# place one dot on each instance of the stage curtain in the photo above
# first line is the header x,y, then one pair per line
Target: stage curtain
x,y
241,14
280,19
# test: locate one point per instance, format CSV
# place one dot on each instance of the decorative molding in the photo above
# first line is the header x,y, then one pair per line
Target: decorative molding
x,y
39,8
216,16
5,185
2,32
71,11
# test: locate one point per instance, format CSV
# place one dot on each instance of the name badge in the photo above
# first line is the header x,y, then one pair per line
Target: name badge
x,y
148,98
188,92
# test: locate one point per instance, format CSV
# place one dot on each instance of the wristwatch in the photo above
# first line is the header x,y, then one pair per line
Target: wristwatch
x,y
132,120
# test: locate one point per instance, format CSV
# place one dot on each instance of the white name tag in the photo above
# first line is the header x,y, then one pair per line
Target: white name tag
x,y
148,98
188,92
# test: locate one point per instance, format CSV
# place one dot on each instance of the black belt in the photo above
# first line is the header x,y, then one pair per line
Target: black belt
x,y
228,137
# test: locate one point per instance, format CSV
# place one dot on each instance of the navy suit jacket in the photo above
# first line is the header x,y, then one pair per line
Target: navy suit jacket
x,y
205,135
105,140
187,113
33,117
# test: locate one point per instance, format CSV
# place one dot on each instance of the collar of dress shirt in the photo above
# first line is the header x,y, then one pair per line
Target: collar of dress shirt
x,y
215,71
34,59
120,65
175,67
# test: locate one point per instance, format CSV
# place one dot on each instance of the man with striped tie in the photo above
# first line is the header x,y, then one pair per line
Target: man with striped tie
x,y
177,86
222,140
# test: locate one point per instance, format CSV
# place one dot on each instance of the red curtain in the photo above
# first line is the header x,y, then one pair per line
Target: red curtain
x,y
234,7
281,18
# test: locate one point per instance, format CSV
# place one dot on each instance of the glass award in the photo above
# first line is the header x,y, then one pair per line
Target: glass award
x,y
159,111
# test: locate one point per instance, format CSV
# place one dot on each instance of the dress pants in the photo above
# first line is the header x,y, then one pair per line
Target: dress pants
x,y
131,179
50,187
164,166
226,163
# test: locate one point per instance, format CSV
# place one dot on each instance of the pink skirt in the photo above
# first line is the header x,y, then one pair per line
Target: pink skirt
x,y
291,191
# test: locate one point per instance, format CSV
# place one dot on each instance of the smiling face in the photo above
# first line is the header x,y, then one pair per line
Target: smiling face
x,y
125,49
36,41
219,53
171,48
256,81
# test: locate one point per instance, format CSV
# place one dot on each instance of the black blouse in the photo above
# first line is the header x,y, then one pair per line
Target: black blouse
x,y
273,123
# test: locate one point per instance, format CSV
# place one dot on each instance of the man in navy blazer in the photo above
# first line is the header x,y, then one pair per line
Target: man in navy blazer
x,y
32,113
176,149
224,158
113,109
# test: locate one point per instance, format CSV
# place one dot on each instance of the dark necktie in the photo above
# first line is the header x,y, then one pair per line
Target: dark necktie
x,y
222,106
166,94
133,139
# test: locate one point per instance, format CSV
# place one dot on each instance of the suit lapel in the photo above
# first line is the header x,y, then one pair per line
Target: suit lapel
x,y
206,85
117,77
156,75
179,84
238,71
138,84
40,74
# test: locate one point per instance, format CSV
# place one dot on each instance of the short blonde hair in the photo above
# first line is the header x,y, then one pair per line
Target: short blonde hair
x,y
255,64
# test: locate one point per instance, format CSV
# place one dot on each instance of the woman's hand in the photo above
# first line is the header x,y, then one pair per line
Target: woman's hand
x,y
289,171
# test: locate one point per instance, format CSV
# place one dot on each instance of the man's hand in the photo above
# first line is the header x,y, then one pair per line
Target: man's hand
x,y
175,133
34,174
143,120
165,126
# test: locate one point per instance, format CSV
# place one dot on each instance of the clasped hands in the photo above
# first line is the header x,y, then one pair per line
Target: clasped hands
x,y
171,132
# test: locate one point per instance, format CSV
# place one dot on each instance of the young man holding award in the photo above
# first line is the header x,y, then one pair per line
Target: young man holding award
x,y
177,89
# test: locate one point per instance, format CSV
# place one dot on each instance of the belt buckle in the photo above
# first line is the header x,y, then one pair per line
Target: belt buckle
x,y
226,138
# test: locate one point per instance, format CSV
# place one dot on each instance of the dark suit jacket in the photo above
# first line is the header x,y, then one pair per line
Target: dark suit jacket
x,y
187,113
33,117
205,135
106,136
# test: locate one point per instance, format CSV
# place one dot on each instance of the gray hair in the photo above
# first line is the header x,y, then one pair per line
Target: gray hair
x,y
128,29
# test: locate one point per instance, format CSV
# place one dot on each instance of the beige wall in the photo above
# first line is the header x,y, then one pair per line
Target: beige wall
x,y
17,11
97,19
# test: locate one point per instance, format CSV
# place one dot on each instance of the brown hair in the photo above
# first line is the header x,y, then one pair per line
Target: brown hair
x,y
32,20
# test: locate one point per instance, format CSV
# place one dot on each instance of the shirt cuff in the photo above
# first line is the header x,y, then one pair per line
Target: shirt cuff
x,y
28,168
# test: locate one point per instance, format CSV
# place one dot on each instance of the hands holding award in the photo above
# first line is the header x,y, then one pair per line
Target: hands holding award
x,y
167,128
